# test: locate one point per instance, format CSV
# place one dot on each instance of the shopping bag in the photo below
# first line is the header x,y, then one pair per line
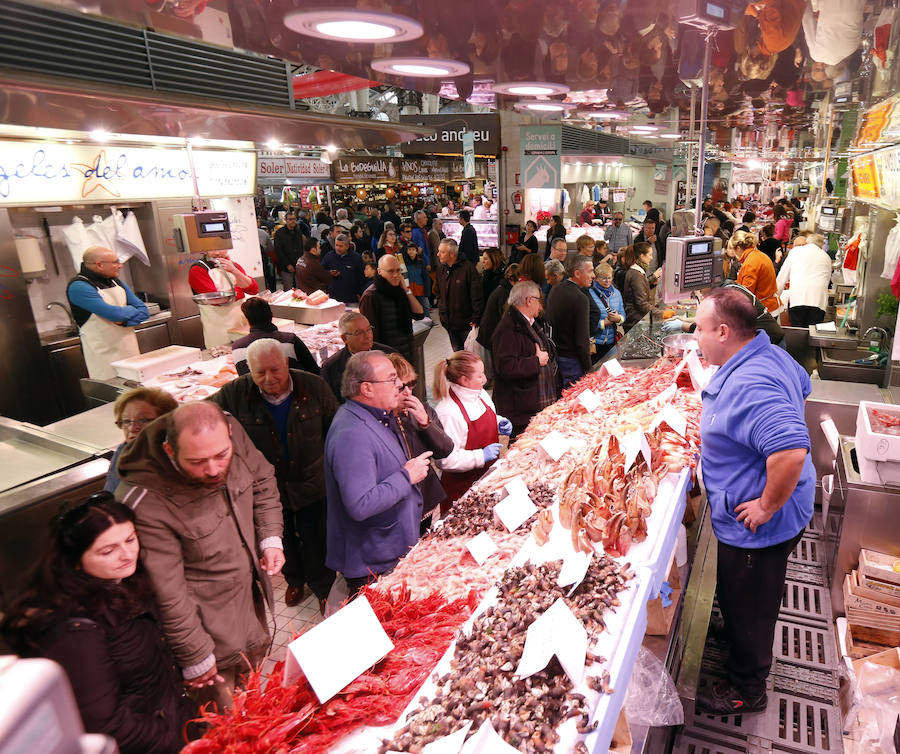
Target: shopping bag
x,y
471,343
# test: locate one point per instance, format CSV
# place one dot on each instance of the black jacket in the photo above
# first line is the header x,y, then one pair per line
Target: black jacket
x,y
459,294
468,244
431,438
295,349
125,681
493,311
288,247
300,474
568,311
333,367
388,311
517,369
490,279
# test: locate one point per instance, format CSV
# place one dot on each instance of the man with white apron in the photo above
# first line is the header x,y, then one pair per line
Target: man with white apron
x,y
105,310
216,272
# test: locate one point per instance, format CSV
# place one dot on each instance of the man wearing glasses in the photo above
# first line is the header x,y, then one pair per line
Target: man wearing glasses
x,y
371,476
105,310
618,234
357,334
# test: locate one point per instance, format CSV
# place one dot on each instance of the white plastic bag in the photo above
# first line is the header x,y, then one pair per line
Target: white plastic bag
x,y
471,343
651,698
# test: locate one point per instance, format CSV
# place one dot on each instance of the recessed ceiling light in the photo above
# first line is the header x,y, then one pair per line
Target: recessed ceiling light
x,y
353,25
273,144
424,67
98,134
603,114
530,88
545,106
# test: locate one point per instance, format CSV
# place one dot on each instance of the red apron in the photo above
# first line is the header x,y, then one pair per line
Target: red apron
x,y
480,433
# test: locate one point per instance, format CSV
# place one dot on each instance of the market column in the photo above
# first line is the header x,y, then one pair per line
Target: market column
x,y
216,273
105,310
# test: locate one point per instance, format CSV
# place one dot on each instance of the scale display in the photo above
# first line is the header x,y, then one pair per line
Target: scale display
x,y
692,264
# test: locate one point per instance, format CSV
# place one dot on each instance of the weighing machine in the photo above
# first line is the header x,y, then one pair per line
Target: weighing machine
x,y
693,263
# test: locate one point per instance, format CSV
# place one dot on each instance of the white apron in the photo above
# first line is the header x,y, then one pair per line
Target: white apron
x,y
218,320
104,342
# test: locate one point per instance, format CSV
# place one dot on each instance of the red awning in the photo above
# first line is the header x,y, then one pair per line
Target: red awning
x,y
323,83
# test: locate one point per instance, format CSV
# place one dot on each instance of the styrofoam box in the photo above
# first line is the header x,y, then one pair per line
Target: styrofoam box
x,y
878,454
148,365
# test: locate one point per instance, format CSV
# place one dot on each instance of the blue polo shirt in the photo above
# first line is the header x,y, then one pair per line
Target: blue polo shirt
x,y
752,408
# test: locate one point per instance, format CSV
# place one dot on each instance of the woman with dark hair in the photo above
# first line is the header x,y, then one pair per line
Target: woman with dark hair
x,y
496,305
528,243
556,230
783,221
768,244
388,243
636,293
133,411
532,268
360,238
493,265
90,608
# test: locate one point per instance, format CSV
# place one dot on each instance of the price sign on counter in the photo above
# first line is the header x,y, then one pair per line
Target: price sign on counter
x,y
449,744
516,486
481,547
589,400
338,650
632,444
671,416
487,741
514,510
574,567
556,632
613,368
555,445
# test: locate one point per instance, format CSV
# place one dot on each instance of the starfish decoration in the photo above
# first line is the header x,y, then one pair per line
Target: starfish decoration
x,y
94,176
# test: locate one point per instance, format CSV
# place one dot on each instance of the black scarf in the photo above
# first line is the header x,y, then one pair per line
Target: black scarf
x,y
395,292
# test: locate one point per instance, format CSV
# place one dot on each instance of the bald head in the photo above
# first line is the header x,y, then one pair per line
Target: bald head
x,y
101,260
389,268
193,417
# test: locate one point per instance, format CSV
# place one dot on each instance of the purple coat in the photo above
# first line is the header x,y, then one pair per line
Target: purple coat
x,y
373,509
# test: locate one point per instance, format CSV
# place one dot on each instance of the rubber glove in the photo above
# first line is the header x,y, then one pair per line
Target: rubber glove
x,y
505,427
491,452
671,326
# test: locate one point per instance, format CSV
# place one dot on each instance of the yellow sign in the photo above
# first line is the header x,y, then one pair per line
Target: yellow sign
x,y
865,178
879,123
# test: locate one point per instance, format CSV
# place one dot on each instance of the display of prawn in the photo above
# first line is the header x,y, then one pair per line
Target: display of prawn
x,y
482,682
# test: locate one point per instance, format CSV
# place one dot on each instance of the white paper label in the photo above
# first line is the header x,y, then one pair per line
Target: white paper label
x,y
513,511
699,376
556,632
574,567
516,486
613,368
671,416
589,400
826,327
338,650
487,741
481,547
448,744
632,444
555,445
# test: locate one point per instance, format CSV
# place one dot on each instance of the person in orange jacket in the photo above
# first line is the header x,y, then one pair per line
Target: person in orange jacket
x,y
757,273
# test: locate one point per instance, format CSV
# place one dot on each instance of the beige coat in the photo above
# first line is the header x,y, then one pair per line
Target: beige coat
x,y
205,569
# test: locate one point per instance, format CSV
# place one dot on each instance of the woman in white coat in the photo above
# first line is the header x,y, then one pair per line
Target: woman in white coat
x,y
806,273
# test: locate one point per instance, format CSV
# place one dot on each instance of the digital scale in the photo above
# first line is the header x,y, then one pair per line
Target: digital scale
x,y
831,217
200,232
693,263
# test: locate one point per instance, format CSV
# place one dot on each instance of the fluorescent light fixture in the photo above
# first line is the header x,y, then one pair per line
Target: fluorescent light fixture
x,y
353,25
669,136
646,127
530,88
273,144
544,106
603,114
98,134
196,141
421,67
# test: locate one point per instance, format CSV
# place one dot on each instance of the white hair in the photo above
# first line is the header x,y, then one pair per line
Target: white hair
x,y
521,291
341,214
258,348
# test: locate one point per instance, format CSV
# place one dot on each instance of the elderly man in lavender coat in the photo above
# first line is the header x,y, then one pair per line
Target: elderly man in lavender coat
x,y
372,483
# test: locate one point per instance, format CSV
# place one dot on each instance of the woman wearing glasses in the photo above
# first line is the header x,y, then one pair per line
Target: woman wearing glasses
x,y
423,431
90,608
134,410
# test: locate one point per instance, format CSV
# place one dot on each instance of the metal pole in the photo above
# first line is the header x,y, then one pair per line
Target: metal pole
x,y
689,159
704,104
828,147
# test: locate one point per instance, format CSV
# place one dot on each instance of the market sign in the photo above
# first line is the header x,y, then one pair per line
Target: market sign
x,y
449,130
541,156
45,172
876,178
366,170
300,169
424,170
880,123
865,178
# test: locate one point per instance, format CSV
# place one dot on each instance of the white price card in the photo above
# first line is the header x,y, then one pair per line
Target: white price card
x,y
338,650
574,567
513,511
481,547
613,368
516,486
556,632
673,417
699,375
589,400
666,395
632,444
487,741
555,445
449,744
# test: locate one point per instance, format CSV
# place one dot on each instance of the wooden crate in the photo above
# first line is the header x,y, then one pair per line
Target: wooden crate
x,y
621,741
659,618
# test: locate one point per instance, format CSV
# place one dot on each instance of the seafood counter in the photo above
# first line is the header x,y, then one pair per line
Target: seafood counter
x,y
519,616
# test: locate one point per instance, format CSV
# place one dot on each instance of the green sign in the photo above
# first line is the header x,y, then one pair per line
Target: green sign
x,y
541,156
468,142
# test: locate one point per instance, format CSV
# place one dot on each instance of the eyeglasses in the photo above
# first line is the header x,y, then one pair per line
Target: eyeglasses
x,y
539,299
357,333
411,385
395,379
122,423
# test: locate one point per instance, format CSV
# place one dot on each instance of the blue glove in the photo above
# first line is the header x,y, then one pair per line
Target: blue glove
x,y
671,326
505,427
491,452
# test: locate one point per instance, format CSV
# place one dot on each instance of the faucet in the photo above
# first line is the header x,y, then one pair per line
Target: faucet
x,y
882,341
68,313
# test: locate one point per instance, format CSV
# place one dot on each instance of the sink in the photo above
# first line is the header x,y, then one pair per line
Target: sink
x,y
57,335
839,364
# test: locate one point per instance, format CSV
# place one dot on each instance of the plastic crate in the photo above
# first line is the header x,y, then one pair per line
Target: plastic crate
x,y
806,573
808,602
809,551
691,741
805,645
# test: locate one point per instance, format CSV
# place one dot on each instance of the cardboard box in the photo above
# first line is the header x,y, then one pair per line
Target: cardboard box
x,y
621,741
890,658
879,566
659,618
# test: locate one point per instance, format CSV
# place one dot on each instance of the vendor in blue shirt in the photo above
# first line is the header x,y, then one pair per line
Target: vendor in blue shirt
x,y
348,278
760,483
105,310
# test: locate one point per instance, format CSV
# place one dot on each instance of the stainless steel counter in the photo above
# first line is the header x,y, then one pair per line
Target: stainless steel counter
x,y
94,429
65,336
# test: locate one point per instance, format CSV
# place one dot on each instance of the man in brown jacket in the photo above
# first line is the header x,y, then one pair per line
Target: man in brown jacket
x,y
209,519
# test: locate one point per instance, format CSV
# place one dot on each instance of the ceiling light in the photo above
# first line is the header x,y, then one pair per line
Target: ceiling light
x,y
353,25
331,148
545,106
98,134
424,67
196,141
273,144
530,88
669,136
603,114
646,127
